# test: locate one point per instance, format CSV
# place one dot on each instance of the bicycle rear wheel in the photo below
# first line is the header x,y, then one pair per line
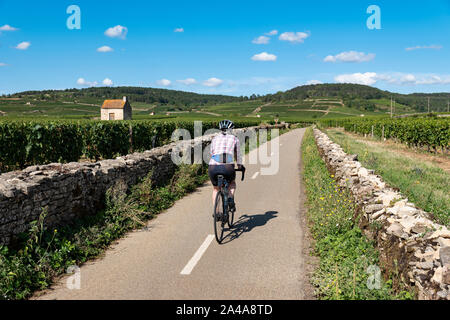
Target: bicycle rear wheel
x,y
219,215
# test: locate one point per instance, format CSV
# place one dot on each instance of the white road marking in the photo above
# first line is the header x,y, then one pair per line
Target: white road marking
x,y
197,256
255,175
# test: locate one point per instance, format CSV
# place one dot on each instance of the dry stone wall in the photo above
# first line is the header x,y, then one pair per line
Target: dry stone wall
x,y
412,246
73,190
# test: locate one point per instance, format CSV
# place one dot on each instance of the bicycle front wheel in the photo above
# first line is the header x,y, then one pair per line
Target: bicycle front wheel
x,y
219,214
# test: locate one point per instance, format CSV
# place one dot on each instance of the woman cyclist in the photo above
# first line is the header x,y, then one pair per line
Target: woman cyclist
x,y
225,150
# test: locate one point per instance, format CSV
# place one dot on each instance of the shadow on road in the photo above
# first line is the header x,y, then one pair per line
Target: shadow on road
x,y
247,223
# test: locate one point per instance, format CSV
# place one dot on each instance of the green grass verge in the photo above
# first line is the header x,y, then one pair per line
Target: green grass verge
x,y
347,259
423,183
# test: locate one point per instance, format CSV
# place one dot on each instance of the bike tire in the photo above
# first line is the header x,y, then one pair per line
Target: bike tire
x,y
219,212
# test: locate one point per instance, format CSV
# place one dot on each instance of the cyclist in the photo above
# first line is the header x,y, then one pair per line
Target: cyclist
x,y
225,150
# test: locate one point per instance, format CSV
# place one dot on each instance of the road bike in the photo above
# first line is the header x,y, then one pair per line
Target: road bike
x,y
223,213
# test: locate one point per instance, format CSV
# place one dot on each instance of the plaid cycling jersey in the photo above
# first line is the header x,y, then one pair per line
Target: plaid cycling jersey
x,y
225,143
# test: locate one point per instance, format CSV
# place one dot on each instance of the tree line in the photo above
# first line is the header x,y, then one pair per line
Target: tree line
x,y
353,95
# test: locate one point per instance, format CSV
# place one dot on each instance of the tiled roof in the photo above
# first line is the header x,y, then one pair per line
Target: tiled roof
x,y
113,104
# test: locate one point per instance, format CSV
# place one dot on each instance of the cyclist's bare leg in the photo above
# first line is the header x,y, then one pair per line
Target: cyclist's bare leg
x,y
232,188
231,195
214,194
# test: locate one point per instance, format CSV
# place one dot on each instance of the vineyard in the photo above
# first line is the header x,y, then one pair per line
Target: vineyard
x,y
422,132
25,143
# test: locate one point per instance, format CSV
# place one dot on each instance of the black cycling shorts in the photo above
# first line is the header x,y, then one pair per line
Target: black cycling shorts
x,y
226,170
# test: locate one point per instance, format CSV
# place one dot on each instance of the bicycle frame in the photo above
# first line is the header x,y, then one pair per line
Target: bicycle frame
x,y
223,188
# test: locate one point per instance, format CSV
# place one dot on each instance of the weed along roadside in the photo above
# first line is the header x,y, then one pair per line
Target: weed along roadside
x,y
39,255
413,248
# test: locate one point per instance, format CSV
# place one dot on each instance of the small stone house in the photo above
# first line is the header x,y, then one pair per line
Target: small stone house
x,y
116,110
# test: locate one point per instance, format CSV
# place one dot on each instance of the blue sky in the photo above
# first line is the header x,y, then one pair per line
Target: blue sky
x,y
315,41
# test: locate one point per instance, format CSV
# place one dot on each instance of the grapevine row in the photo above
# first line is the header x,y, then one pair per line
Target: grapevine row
x,y
430,133
24,143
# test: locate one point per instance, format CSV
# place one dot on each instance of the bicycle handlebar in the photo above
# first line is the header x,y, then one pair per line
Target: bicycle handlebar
x,y
243,173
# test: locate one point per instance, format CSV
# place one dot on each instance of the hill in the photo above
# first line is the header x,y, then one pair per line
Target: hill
x,y
330,90
303,103
365,97
137,94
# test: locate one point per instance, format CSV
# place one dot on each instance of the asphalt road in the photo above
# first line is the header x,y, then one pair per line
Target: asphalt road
x,y
178,258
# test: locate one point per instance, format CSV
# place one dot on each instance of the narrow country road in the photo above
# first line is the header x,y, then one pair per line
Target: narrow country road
x,y
177,258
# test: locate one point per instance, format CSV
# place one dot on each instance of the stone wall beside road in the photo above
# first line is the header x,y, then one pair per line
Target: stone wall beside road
x,y
73,190
409,241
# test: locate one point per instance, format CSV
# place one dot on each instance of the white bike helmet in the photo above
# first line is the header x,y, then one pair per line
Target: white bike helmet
x,y
226,124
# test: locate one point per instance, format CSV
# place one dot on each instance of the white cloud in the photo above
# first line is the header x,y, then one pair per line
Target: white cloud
x,y
368,78
23,45
262,85
105,49
212,82
398,78
188,81
117,32
350,56
408,78
7,27
261,40
272,33
164,82
3,64
310,82
411,79
178,30
107,82
426,79
264,56
434,47
293,37
433,79
84,83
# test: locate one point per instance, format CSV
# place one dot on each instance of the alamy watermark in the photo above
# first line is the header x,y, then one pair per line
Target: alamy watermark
x,y
74,20
74,281
374,279
374,21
